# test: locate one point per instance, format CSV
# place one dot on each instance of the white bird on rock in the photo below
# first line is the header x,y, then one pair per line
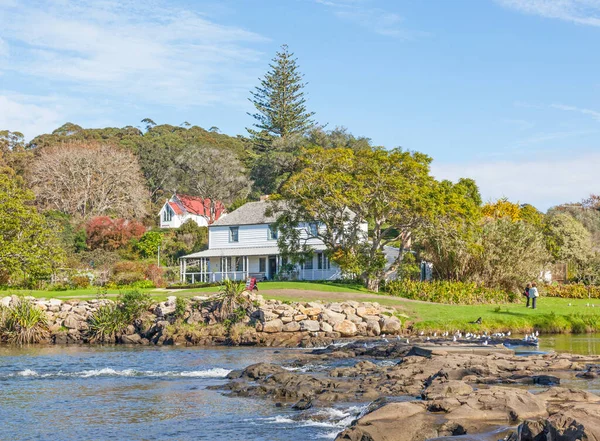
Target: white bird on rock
x,y
454,339
485,343
407,342
508,334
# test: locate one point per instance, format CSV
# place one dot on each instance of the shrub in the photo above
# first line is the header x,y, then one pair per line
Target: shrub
x,y
458,293
133,303
180,307
230,300
80,281
106,323
111,234
24,323
155,274
143,284
572,291
128,279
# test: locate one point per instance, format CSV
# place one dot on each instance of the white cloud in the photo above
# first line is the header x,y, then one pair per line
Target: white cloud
x,y
131,50
544,181
593,113
375,19
30,114
585,12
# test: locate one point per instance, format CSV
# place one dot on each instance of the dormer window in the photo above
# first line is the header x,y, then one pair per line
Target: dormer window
x,y
234,234
272,233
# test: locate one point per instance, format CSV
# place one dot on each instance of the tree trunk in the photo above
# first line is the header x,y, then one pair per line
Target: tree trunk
x,y
372,284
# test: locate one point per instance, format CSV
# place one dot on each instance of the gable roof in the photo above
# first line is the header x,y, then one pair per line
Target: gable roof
x,y
251,213
198,206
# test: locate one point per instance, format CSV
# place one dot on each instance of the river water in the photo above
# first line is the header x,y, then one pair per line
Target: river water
x,y
160,393
145,393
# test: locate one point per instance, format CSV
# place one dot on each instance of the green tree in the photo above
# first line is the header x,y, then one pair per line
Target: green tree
x,y
280,103
148,244
29,250
567,239
341,189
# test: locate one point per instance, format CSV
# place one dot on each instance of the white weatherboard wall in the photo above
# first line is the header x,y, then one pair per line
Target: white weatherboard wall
x,y
248,236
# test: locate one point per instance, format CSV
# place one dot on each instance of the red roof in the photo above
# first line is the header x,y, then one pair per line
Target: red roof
x,y
200,206
175,208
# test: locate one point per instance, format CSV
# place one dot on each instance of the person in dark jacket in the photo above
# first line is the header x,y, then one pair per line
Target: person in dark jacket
x,y
526,293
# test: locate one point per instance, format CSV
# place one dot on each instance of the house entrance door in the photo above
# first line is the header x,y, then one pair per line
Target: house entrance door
x,y
272,267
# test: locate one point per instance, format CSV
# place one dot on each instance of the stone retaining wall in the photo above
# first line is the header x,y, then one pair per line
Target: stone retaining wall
x,y
269,323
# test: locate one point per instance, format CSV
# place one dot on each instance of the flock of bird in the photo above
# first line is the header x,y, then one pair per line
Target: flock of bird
x,y
484,338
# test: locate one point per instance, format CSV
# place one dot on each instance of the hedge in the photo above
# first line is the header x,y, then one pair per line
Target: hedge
x,y
455,293
572,291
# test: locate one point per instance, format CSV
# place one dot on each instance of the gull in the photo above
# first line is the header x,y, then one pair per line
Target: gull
x,y
570,304
397,337
485,343
427,339
421,333
386,340
407,342
537,333
508,333
454,339
435,334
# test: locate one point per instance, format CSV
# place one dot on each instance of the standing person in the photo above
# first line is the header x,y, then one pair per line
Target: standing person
x,y
526,293
533,294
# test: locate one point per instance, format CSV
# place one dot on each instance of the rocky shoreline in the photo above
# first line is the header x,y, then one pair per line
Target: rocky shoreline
x,y
265,323
419,393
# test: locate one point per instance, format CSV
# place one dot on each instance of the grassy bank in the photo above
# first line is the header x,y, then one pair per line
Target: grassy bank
x,y
553,315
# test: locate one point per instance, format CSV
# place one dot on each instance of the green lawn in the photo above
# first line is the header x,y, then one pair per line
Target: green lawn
x,y
551,315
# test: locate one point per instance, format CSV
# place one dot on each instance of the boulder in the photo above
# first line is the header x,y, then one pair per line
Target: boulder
x,y
346,328
273,326
354,318
310,325
390,325
131,339
326,327
6,301
373,328
72,322
363,311
332,317
291,327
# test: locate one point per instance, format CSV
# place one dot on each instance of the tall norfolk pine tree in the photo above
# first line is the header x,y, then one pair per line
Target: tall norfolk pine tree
x,y
280,103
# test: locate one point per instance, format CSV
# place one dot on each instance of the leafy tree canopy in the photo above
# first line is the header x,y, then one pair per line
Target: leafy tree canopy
x,y
28,248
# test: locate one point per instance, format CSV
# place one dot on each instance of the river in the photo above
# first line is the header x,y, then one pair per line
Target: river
x,y
159,393
145,393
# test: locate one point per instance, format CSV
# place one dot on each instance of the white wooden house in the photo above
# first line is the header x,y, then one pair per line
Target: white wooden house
x,y
244,244
180,208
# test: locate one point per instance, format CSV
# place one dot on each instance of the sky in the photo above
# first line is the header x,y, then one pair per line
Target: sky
x,y
506,92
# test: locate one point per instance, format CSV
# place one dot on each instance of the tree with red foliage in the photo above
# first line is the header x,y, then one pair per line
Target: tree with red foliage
x,y
111,234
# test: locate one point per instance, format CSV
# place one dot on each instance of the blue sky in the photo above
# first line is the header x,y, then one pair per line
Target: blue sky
x,y
504,91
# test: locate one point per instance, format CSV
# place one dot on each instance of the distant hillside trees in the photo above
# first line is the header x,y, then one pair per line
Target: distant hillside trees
x,y
87,179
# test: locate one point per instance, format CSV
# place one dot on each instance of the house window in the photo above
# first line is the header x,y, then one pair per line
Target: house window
x,y
262,265
308,264
234,234
167,214
313,228
272,233
323,261
239,264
